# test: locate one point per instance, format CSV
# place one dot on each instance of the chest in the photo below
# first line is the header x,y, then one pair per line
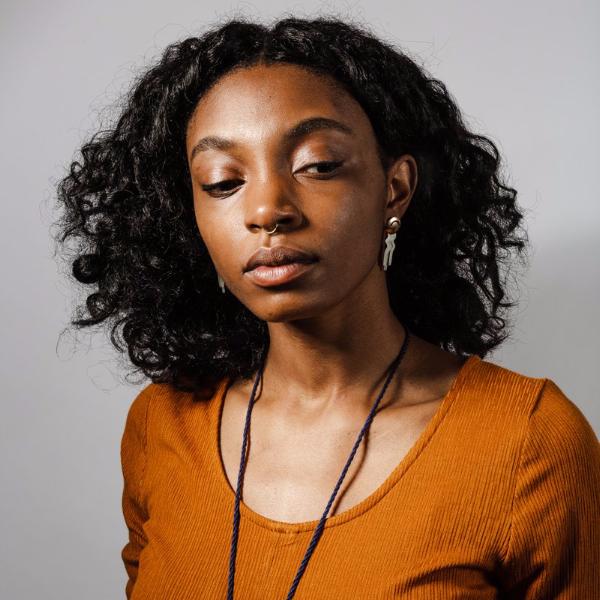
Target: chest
x,y
291,471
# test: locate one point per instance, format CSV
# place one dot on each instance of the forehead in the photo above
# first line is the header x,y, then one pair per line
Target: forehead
x,y
260,101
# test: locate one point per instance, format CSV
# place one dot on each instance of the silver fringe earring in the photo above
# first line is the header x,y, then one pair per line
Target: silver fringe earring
x,y
221,283
390,241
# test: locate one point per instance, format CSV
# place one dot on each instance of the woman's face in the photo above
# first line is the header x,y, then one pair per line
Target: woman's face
x,y
252,167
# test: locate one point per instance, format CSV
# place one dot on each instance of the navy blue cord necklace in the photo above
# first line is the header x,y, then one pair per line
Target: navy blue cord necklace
x,y
319,529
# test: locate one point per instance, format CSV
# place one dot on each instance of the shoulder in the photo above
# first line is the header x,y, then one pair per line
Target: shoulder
x,y
137,413
487,378
549,421
558,428
157,396
162,406
527,414
502,398
543,400
554,528
555,406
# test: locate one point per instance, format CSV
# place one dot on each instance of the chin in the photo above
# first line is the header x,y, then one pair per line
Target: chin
x,y
284,307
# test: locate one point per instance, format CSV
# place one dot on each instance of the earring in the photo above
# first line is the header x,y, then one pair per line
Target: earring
x,y
221,282
390,241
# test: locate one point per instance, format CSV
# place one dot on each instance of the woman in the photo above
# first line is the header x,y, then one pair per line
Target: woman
x,y
295,229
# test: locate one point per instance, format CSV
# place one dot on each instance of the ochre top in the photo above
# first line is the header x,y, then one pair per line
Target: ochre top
x,y
498,498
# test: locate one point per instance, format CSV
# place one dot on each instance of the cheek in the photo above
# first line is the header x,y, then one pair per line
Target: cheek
x,y
212,235
360,217
204,227
352,234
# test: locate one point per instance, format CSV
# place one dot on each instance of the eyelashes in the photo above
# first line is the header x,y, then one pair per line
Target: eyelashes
x,y
217,186
330,166
334,164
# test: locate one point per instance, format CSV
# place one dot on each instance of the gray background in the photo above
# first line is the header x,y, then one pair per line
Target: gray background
x,y
525,73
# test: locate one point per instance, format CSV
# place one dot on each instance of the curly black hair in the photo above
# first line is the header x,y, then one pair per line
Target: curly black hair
x,y
127,202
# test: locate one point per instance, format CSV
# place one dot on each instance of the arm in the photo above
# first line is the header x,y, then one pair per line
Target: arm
x,y
133,463
554,547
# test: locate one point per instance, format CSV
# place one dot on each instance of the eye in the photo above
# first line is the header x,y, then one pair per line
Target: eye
x,y
227,186
329,166
220,186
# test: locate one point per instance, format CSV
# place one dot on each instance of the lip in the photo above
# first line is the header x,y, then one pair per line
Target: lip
x,y
278,255
268,276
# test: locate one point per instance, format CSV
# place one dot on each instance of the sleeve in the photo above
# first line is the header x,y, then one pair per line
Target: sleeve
x,y
553,550
133,463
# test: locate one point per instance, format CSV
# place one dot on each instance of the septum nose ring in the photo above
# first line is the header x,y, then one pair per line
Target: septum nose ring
x,y
273,230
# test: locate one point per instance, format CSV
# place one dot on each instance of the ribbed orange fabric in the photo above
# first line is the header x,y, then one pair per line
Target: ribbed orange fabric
x,y
498,498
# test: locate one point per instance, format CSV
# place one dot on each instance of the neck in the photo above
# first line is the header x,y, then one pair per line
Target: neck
x,y
342,353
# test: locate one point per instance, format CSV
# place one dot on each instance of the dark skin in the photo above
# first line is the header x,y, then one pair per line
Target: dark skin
x,y
332,331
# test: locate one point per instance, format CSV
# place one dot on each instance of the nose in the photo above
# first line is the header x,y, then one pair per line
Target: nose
x,y
271,202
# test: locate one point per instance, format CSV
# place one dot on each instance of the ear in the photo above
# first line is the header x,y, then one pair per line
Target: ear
x,y
401,182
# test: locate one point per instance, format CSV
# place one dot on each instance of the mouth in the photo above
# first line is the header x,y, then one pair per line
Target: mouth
x,y
272,275
278,255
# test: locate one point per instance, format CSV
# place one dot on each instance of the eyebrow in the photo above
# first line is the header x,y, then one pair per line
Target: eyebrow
x,y
300,129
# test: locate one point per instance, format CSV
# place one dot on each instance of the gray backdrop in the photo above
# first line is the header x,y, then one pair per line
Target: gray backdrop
x,y
524,72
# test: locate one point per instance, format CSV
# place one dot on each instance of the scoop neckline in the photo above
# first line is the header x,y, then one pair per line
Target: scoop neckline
x,y
366,503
